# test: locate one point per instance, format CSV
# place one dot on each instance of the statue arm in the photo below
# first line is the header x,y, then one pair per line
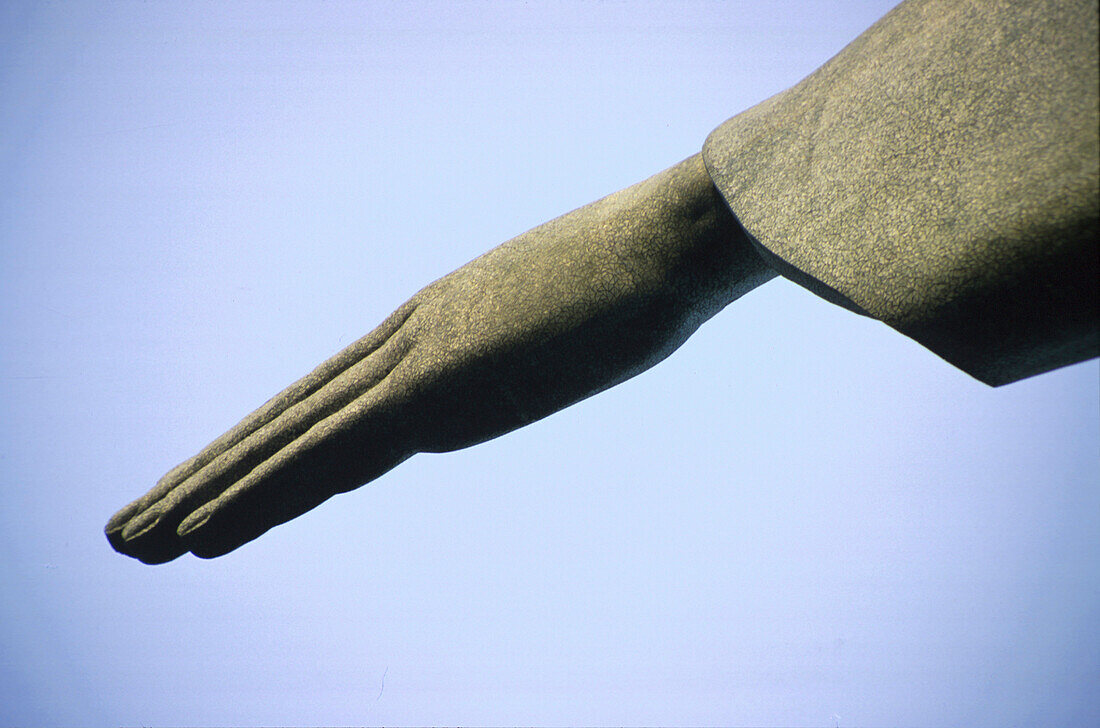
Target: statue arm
x,y
555,315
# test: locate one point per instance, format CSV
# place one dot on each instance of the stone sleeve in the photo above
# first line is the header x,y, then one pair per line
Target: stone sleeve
x,y
940,174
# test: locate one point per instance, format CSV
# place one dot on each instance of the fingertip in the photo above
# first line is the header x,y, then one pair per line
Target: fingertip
x,y
142,525
144,538
207,551
153,559
144,551
205,543
193,522
113,532
214,531
203,538
119,520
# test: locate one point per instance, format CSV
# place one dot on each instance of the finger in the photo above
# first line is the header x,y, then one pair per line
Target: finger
x,y
272,409
148,550
139,509
297,392
153,533
302,475
114,526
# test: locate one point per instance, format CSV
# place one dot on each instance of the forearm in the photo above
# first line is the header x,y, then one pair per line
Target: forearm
x,y
582,303
671,235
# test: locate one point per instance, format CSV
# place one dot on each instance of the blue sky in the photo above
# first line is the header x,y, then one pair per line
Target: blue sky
x,y
800,518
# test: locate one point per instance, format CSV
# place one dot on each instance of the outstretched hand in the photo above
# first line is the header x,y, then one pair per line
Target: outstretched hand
x,y
555,315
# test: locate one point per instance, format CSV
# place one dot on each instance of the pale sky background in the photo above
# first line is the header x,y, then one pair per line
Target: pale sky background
x,y
800,519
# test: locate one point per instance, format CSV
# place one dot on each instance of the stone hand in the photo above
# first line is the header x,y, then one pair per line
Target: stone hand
x,y
555,315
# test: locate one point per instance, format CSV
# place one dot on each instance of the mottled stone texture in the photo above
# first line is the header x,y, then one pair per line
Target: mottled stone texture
x,y
940,174
555,315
